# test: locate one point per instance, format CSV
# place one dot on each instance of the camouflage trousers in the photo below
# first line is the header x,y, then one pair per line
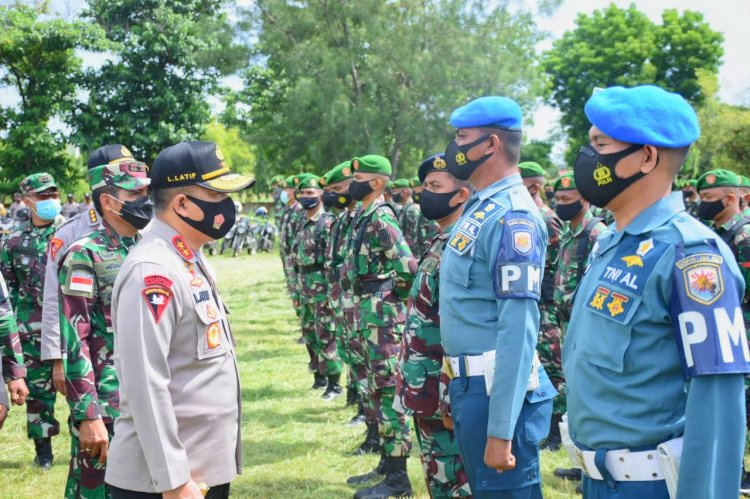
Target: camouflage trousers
x,y
358,372
549,349
318,333
85,474
438,451
40,404
292,284
381,346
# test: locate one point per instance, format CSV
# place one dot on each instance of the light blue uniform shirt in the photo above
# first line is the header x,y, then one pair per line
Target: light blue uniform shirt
x,y
490,279
654,348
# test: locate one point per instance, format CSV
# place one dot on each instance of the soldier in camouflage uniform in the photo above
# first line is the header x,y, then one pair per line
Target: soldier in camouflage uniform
x,y
745,193
382,273
720,197
277,184
426,228
22,262
317,319
690,197
13,368
336,198
421,357
409,216
549,338
86,276
580,231
288,228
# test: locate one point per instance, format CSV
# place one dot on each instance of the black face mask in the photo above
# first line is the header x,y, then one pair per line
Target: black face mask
x,y
709,209
359,190
334,200
568,211
458,163
436,205
137,213
218,217
309,203
686,195
398,197
549,194
417,197
596,178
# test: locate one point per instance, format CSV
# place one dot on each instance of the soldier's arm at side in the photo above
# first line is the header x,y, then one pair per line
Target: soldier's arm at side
x,y
143,371
398,255
714,437
51,348
76,307
13,366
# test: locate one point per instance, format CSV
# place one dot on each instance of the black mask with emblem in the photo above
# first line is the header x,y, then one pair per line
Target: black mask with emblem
x,y
334,200
595,175
218,217
458,162
309,203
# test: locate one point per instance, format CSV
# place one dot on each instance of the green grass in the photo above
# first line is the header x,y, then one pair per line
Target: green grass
x,y
294,444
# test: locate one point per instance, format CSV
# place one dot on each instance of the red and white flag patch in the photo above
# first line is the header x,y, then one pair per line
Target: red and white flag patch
x,y
81,281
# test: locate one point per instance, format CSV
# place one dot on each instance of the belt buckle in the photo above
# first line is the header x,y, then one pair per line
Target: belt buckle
x,y
582,461
465,360
449,367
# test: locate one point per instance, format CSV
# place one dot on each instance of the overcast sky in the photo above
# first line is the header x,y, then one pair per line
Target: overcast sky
x,y
730,17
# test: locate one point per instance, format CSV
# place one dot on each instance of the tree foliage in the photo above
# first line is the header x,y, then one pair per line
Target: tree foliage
x,y
333,79
167,59
38,59
617,46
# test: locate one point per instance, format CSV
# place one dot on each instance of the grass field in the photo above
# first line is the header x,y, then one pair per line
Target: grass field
x,y
295,445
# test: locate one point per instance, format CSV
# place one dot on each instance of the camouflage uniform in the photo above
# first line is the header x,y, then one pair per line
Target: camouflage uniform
x,y
566,281
12,363
22,261
418,379
409,221
550,336
317,321
86,275
289,227
382,273
426,231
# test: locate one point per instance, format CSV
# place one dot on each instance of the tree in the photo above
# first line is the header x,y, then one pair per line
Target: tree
x,y
725,132
618,46
539,151
38,59
337,78
168,58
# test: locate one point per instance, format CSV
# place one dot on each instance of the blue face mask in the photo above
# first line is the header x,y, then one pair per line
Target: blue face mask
x,y
284,197
48,209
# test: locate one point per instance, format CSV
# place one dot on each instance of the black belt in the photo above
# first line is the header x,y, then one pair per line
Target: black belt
x,y
306,269
373,286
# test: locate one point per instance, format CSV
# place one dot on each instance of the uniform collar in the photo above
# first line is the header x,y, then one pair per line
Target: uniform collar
x,y
577,231
115,240
732,221
175,240
656,215
492,189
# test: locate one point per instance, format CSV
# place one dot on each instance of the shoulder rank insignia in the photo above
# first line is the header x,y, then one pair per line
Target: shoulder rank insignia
x,y
182,248
468,227
93,217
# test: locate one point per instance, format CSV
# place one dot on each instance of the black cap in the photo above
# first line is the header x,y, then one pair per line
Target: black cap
x,y
196,163
111,153
434,163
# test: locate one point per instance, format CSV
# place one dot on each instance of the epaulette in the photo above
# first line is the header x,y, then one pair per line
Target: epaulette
x,y
691,232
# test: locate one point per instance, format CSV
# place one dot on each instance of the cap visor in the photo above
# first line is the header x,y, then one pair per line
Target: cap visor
x,y
231,182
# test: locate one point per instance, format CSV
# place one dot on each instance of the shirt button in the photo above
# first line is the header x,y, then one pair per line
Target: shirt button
x,y
484,483
598,259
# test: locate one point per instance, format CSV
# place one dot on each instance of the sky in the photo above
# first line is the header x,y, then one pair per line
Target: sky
x,y
726,16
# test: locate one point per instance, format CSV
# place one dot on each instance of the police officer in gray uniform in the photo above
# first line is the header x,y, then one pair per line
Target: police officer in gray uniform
x,y
180,401
65,235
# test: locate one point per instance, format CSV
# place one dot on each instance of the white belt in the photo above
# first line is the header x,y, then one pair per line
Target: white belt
x,y
474,364
623,465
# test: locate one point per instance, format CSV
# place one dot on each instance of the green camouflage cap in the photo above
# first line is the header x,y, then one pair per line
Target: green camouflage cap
x,y
372,163
37,182
128,174
401,183
338,173
531,169
565,182
718,178
308,181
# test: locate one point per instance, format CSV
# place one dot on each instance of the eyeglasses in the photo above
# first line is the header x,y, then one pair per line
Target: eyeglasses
x,y
43,196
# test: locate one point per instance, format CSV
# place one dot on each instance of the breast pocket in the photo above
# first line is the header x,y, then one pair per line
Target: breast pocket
x,y
458,271
210,334
610,333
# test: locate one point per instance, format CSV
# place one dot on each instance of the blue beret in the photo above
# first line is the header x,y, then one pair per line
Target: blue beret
x,y
646,114
500,112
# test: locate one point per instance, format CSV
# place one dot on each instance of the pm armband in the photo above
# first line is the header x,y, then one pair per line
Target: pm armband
x,y
520,258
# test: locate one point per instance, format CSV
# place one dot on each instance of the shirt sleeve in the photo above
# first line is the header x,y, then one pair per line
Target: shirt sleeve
x,y
517,274
398,256
3,393
714,438
13,366
143,371
77,298
50,348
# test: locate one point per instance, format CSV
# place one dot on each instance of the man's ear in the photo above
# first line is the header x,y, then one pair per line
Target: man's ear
x,y
179,204
650,159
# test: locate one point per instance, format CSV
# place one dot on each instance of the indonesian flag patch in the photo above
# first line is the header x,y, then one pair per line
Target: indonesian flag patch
x,y
81,281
